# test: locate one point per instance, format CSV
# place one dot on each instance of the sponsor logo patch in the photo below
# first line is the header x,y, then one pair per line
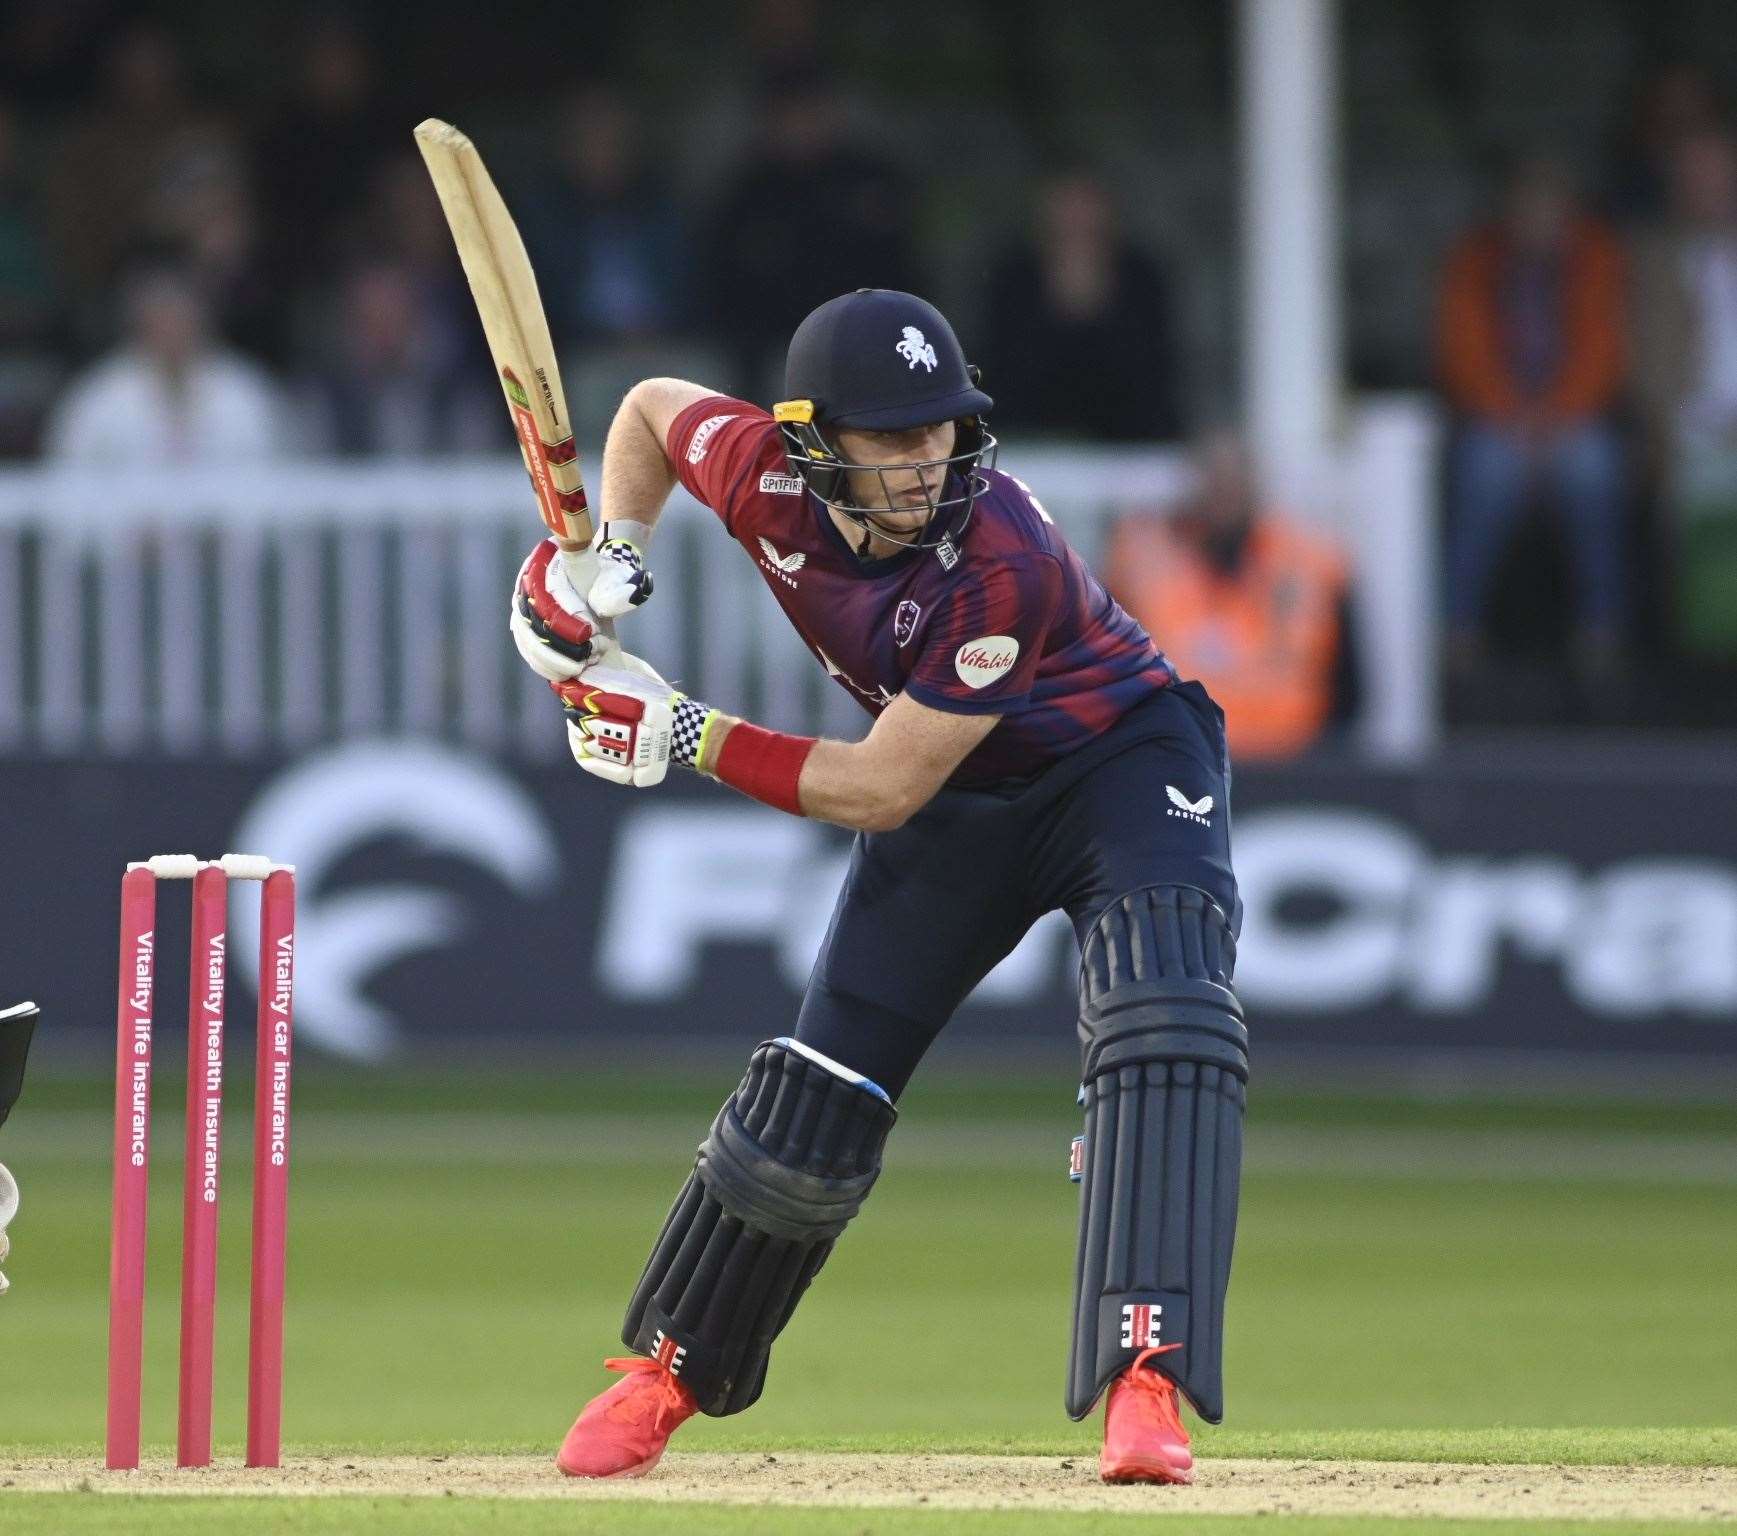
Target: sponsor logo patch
x,y
905,618
980,662
1189,810
669,1354
703,435
1141,1323
775,484
784,567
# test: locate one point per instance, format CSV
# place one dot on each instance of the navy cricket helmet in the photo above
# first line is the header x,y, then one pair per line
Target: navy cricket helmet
x,y
880,360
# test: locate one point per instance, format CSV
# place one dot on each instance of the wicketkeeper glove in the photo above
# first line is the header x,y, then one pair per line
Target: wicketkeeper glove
x,y
627,725
563,604
17,1025
8,1209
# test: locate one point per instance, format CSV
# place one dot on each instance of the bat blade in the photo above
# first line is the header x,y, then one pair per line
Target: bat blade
x,y
505,289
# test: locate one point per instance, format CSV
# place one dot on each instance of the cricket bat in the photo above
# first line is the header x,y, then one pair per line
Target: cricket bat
x,y
505,290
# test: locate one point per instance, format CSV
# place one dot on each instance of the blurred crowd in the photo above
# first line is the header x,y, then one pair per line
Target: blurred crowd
x,y
188,276
1587,344
184,280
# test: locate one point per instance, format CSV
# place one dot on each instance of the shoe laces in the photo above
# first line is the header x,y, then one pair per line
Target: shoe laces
x,y
667,1399
1150,1381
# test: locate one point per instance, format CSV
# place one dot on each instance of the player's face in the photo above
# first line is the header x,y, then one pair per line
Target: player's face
x,y
904,494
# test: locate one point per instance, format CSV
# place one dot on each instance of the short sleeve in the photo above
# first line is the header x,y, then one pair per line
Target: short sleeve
x,y
713,444
980,652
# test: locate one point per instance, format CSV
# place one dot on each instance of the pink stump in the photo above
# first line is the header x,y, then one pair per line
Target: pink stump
x,y
206,972
134,1013
271,1116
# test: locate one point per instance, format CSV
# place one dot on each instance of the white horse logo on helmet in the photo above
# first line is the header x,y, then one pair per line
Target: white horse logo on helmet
x,y
915,350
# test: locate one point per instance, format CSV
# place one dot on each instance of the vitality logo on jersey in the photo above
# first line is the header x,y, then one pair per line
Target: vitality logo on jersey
x,y
669,1354
905,618
980,662
703,435
914,349
784,567
774,484
1189,810
1141,1324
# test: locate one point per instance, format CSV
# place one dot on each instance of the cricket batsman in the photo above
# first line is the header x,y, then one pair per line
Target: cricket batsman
x,y
1030,750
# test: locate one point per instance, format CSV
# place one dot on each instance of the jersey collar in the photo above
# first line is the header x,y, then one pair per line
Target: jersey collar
x,y
876,567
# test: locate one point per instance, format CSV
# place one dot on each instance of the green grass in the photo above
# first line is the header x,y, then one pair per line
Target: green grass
x,y
78,1514
1506,1282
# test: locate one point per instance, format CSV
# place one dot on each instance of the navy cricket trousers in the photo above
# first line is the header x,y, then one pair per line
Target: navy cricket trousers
x,y
930,909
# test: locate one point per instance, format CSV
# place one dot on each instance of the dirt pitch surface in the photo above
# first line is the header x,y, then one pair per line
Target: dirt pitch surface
x,y
1225,1487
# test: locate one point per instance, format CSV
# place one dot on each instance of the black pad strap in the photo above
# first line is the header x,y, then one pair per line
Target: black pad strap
x,y
789,1161
1164,1067
17,1025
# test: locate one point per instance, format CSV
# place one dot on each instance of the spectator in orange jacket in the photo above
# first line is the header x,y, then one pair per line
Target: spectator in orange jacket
x,y
1254,605
1531,348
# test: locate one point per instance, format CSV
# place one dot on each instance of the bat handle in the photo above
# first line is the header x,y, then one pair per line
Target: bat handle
x,y
580,564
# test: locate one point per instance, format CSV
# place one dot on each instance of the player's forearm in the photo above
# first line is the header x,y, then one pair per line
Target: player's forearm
x,y
636,476
833,783
839,786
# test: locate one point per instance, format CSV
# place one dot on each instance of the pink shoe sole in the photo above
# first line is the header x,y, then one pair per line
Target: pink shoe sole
x,y
638,1470
1140,1469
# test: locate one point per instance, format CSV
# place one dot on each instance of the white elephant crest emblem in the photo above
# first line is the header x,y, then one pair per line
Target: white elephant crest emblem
x,y
915,350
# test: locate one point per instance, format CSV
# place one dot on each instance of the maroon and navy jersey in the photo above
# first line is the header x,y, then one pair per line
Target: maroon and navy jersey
x,y
1018,627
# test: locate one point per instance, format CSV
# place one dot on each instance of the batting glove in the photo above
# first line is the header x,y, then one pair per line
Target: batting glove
x,y
627,725
555,630
621,582
564,604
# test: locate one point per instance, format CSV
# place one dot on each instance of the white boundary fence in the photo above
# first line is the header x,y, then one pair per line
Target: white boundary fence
x,y
230,613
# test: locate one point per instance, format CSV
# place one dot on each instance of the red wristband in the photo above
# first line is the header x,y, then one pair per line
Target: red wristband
x,y
764,764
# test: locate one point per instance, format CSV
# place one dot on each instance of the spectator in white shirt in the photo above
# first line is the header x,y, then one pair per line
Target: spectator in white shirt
x,y
171,394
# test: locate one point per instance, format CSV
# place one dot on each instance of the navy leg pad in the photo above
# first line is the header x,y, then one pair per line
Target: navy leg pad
x,y
789,1161
1164,1074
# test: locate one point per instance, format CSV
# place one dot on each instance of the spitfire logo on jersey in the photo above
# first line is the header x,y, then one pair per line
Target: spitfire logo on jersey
x,y
703,435
980,662
774,484
1141,1324
905,618
914,348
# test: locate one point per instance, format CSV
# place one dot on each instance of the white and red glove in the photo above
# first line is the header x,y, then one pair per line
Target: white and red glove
x,y
8,1209
563,604
627,725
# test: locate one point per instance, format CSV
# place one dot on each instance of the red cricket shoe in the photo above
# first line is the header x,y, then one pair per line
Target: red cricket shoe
x,y
623,1432
1144,1441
